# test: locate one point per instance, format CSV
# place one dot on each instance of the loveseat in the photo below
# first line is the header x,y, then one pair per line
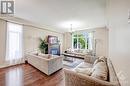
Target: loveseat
x,y
78,53
46,63
86,78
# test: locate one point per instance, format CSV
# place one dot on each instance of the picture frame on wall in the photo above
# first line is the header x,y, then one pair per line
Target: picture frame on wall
x,y
52,39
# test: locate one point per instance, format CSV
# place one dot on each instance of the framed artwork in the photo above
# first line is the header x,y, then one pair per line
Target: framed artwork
x,y
52,39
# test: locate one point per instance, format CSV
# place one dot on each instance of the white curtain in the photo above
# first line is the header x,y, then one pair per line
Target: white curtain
x,y
14,51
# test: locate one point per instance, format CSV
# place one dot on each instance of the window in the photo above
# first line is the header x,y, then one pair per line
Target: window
x,y
14,42
82,40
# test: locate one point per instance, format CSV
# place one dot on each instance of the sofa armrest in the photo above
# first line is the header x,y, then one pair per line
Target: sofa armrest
x,y
74,79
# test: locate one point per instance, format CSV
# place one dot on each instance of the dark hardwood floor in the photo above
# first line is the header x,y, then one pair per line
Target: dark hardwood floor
x,y
26,75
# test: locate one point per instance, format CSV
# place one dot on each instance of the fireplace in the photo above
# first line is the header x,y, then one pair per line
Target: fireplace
x,y
53,45
54,49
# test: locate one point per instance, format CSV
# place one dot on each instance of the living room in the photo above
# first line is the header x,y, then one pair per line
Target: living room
x,y
64,43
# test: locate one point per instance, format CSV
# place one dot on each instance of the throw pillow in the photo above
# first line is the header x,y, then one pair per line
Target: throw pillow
x,y
100,71
99,59
85,71
102,58
95,62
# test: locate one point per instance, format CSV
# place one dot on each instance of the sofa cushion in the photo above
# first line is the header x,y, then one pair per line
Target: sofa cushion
x,y
100,71
85,71
84,65
42,55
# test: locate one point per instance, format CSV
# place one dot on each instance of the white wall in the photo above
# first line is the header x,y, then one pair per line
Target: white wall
x,y
2,41
32,35
101,35
119,38
31,39
67,40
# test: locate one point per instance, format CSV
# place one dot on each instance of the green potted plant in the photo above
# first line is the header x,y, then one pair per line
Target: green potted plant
x,y
43,46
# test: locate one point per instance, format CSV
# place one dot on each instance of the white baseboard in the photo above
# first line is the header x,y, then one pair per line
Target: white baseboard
x,y
7,65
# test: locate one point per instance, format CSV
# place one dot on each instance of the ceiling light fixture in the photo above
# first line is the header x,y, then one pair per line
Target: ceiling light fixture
x,y
71,28
67,24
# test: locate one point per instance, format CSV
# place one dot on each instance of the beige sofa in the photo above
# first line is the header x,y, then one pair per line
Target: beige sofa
x,y
72,78
46,64
78,53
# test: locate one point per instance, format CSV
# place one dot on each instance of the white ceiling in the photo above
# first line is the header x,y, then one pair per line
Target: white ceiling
x,y
59,14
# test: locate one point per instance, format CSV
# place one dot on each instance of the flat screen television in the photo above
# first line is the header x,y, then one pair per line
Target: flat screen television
x,y
52,39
